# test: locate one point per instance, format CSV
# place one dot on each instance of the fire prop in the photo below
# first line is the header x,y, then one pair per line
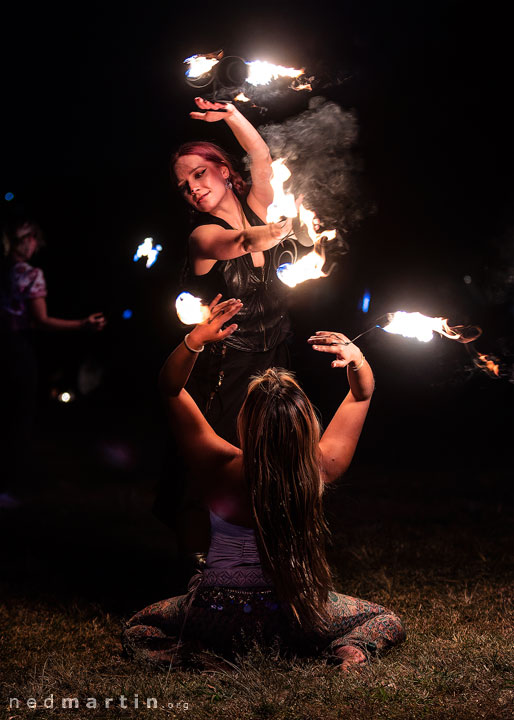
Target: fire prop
x,y
148,250
229,72
261,72
310,266
199,65
190,309
421,327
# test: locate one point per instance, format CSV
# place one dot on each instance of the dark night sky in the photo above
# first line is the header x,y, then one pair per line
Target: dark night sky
x,y
94,102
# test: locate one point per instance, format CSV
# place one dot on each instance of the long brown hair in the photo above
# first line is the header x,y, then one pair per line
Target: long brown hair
x,y
279,434
212,153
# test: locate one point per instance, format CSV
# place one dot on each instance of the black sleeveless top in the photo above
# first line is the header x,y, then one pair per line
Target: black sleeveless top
x,y
263,321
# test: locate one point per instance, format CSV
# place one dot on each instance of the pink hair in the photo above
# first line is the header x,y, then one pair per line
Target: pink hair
x,y
212,153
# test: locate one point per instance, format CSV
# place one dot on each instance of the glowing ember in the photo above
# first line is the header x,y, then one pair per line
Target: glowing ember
x,y
296,85
65,397
199,65
307,268
283,204
190,309
421,327
487,363
261,72
148,250
241,98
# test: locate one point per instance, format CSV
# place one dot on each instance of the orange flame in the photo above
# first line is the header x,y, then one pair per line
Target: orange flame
x,y
310,266
261,72
422,327
484,362
241,98
190,309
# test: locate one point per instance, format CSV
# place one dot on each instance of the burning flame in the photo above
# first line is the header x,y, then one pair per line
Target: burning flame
x,y
149,250
422,327
261,72
190,309
283,204
199,65
301,86
310,266
241,98
486,363
307,268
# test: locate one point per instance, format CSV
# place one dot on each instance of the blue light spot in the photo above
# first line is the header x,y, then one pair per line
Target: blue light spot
x,y
127,314
9,196
365,302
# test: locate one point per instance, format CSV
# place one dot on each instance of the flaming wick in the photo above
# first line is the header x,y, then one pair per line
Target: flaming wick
x,y
149,250
421,327
190,309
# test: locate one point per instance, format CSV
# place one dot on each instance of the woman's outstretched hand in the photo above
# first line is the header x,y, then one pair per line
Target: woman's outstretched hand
x,y
337,344
210,330
212,111
95,322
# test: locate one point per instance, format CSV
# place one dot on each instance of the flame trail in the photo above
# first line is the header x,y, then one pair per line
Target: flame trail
x,y
488,363
310,266
422,327
261,72
190,309
199,65
283,204
149,250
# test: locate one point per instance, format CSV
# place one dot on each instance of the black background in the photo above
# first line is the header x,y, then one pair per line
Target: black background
x,y
94,103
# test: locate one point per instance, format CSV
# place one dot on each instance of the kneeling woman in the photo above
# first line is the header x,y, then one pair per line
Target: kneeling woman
x,y
267,575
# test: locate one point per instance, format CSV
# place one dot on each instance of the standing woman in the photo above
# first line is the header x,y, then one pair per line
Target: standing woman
x,y
233,251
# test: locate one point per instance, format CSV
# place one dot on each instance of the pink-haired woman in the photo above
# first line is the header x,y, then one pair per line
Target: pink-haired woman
x,y
233,251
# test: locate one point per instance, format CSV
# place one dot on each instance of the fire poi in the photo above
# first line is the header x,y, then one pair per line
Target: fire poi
x,y
190,309
309,267
148,250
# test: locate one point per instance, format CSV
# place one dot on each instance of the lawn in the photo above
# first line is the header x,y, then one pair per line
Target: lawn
x,y
83,556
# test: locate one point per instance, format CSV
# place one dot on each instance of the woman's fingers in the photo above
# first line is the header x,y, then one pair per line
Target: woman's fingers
x,y
227,331
233,307
334,349
325,337
213,302
340,363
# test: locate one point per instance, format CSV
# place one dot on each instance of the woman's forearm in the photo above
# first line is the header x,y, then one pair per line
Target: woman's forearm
x,y
262,237
248,137
175,372
360,379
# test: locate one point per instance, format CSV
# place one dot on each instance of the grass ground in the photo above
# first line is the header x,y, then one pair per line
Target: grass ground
x,y
88,553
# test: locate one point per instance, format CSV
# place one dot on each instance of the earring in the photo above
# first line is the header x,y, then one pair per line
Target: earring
x,y
228,184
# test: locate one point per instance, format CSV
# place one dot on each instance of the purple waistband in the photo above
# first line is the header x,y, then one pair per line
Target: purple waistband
x,y
234,577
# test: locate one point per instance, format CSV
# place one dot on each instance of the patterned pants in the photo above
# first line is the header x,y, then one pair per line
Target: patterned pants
x,y
229,619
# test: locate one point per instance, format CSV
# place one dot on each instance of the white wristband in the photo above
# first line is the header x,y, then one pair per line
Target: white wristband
x,y
190,348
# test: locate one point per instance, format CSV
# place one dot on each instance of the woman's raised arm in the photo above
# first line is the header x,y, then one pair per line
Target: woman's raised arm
x,y
250,140
339,441
201,446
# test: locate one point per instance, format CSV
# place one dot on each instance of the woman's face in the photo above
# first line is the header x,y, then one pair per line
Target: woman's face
x,y
27,238
203,183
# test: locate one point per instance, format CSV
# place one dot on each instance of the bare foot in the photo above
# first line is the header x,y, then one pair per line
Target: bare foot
x,y
351,656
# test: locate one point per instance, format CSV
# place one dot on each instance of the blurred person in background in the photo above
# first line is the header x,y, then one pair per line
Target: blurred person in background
x,y
22,310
